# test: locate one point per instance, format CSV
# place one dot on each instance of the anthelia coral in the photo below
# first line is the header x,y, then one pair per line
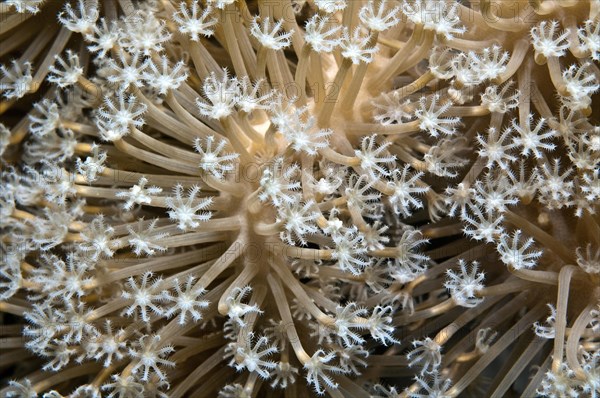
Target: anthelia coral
x,y
351,198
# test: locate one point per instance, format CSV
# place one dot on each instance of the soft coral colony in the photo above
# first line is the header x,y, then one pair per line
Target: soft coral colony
x,y
288,198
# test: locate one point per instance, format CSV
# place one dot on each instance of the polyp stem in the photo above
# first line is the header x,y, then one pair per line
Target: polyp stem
x,y
537,233
286,317
331,97
564,281
357,80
